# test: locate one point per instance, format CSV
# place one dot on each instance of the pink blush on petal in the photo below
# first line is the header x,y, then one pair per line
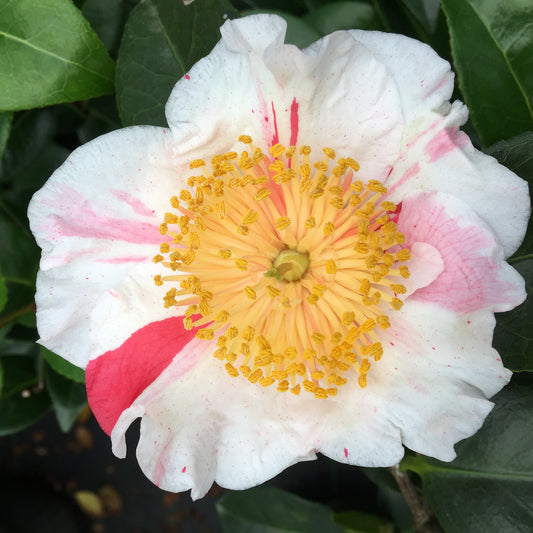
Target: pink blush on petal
x,y
137,206
471,278
445,141
116,378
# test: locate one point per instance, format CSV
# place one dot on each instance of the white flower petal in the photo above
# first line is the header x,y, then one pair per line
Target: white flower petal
x,y
332,94
97,222
437,372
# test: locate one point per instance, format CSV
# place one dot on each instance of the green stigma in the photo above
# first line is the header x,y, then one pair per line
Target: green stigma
x,y
290,265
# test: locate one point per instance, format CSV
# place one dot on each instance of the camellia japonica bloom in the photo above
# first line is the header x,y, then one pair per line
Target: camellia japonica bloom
x,y
308,259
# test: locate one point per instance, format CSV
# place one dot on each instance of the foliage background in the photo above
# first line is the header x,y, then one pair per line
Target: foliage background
x,y
70,71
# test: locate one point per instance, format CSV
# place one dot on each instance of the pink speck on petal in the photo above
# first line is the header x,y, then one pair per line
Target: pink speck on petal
x,y
187,77
346,453
183,470
275,137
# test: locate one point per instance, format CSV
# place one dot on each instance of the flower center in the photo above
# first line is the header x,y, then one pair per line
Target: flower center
x,y
290,265
286,265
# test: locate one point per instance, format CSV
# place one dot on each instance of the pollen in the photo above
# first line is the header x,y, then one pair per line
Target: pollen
x,y
285,265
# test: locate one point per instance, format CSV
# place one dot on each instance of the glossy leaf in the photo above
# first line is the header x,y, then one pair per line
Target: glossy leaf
x,y
63,367
356,522
5,126
49,54
517,154
68,398
425,11
162,41
489,487
343,16
513,336
492,47
271,510
3,292
23,399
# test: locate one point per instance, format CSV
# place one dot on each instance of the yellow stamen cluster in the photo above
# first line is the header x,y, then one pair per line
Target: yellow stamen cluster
x,y
287,264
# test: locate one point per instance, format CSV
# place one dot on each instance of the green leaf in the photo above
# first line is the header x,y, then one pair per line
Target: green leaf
x,y
162,41
271,510
425,11
5,126
299,31
3,292
513,336
356,522
68,398
492,47
24,401
489,487
49,54
343,16
63,367
517,155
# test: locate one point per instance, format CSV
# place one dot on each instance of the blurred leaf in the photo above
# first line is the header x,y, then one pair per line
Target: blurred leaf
x,y
23,401
3,292
296,7
513,335
68,397
299,31
5,126
49,55
492,47
489,486
425,11
271,510
517,155
63,367
162,41
356,522
393,17
343,16
103,118
107,18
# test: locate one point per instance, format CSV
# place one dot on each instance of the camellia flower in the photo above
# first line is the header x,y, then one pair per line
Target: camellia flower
x,y
307,260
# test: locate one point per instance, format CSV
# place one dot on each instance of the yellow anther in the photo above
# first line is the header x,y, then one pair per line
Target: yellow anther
x,y
197,163
230,155
348,318
357,186
365,287
205,334
241,264
245,139
404,272
163,228
397,304
261,194
250,217
362,380
388,206
296,390
248,333
267,381
337,203
222,316
383,321
255,376
403,255
158,258
309,386
376,186
164,247
352,163
276,166
397,288
329,152
328,228
243,230
245,370
305,150
277,150
231,370
312,299
282,223
250,293
220,208
310,223
336,337
319,338
171,218
331,266
272,291
305,171
157,280
225,253
174,202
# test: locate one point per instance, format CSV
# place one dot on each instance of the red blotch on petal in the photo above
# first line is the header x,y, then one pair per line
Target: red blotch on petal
x,y
115,379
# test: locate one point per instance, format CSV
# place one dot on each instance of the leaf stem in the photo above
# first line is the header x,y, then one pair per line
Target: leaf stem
x,y
424,521
16,314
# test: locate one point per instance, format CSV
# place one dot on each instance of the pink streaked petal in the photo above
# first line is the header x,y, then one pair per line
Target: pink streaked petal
x,y
116,378
475,276
439,157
